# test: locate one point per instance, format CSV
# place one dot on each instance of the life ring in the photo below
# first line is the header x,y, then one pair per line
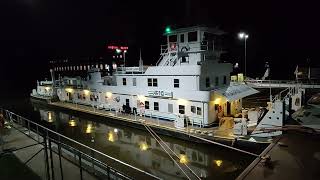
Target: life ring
x,y
185,49
173,46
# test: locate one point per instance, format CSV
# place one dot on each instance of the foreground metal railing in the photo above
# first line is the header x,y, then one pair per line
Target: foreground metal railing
x,y
85,157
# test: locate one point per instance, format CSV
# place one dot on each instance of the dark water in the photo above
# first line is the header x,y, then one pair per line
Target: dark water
x,y
133,146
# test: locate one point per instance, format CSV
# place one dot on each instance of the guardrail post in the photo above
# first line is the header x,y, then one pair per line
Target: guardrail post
x,y
108,172
51,160
80,164
59,152
46,156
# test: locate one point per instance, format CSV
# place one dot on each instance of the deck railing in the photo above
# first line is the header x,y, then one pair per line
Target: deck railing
x,y
85,157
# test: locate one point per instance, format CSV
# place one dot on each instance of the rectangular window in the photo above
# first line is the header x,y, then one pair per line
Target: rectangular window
x,y
146,104
155,82
170,108
176,83
182,38
192,36
207,82
156,106
173,38
149,82
193,109
134,81
127,102
181,109
124,81
199,112
224,79
217,81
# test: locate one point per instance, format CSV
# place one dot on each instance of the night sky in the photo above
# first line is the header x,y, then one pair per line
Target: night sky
x,y
32,31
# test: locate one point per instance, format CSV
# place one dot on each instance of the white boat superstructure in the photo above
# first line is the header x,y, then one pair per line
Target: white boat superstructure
x,y
188,83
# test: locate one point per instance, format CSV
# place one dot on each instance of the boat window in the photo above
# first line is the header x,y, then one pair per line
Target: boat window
x,y
176,83
224,79
182,38
146,104
156,106
181,109
155,82
207,82
149,82
170,108
199,111
217,81
134,81
124,81
193,109
192,36
173,38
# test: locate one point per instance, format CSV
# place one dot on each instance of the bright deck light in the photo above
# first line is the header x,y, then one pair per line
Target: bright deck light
x,y
109,94
217,101
86,92
69,90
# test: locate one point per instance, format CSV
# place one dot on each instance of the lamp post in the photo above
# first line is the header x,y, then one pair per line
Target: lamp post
x,y
244,36
124,55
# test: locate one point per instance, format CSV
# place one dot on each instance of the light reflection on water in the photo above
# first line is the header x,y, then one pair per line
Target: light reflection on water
x,y
138,148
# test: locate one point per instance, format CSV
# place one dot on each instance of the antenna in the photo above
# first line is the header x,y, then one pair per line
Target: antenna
x,y
140,63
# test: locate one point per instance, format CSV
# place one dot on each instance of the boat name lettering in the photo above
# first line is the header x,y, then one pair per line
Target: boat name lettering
x,y
160,93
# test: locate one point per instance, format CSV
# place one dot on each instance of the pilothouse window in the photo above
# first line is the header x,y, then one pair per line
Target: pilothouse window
x,y
192,36
182,38
173,38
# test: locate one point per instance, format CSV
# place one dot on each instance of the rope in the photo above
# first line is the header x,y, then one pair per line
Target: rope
x,y
173,152
226,146
167,153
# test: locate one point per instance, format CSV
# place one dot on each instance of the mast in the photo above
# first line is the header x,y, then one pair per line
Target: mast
x,y
140,63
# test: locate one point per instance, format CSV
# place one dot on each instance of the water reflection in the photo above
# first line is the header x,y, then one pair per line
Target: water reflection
x,y
138,148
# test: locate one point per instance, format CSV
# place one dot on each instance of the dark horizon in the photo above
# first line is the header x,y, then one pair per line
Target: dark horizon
x,y
283,33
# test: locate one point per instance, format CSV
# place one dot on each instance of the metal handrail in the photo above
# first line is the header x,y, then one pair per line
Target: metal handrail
x,y
78,143
161,57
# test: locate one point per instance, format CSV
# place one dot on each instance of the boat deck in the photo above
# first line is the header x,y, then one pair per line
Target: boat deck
x,y
210,132
293,156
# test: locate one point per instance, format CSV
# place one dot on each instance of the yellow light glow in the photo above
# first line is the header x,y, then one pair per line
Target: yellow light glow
x,y
217,101
183,159
143,146
142,98
89,128
182,101
109,94
110,137
47,88
218,162
86,92
49,117
72,123
69,90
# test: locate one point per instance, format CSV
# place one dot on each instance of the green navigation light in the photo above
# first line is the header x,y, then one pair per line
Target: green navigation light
x,y
168,30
